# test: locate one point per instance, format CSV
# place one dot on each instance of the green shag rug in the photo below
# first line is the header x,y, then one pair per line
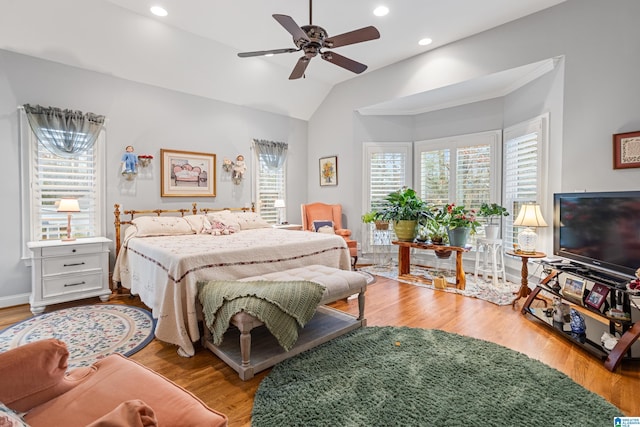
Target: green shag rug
x,y
399,376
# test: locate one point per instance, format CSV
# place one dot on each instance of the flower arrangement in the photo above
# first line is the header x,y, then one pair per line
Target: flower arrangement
x,y
460,217
145,159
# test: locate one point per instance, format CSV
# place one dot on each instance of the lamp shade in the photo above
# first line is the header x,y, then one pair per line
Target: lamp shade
x,y
69,205
279,203
530,216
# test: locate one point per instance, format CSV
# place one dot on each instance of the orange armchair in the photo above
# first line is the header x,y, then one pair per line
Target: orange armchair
x,y
324,212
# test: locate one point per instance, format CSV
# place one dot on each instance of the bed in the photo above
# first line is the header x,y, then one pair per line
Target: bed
x,y
162,254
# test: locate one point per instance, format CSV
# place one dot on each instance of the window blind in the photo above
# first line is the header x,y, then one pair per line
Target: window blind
x,y
270,186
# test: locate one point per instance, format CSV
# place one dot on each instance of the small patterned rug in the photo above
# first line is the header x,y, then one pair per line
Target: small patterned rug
x,y
91,332
502,294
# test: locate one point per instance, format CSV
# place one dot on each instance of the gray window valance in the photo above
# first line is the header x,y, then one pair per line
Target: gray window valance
x,y
64,133
273,153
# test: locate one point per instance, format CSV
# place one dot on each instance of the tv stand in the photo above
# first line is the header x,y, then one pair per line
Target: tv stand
x,y
598,321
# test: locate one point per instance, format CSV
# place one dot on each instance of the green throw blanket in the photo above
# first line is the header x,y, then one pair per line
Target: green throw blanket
x,y
281,306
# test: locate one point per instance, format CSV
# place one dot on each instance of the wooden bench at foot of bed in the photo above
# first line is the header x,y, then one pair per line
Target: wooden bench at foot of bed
x,y
250,351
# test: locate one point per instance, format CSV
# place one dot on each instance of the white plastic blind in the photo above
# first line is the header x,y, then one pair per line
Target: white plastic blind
x,y
270,186
53,178
473,175
387,172
521,178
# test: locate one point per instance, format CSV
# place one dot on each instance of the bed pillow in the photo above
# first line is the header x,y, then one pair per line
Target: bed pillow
x,y
251,221
161,226
323,226
225,217
198,223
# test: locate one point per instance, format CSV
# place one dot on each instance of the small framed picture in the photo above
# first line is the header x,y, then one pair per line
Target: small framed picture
x,y
573,289
626,150
328,171
597,296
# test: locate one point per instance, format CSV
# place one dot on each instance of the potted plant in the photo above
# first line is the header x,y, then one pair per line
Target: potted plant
x,y
492,212
404,209
460,222
374,217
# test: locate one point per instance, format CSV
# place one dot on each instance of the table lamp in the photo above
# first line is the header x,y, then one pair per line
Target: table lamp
x,y
529,216
69,205
279,204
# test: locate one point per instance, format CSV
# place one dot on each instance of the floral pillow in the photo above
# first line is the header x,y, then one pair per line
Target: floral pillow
x,y
9,418
251,221
199,223
161,226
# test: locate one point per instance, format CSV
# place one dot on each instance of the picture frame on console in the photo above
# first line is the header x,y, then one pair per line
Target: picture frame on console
x,y
597,296
626,150
573,289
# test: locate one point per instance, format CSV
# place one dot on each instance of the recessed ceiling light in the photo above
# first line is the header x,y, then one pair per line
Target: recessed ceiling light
x,y
424,42
381,11
159,11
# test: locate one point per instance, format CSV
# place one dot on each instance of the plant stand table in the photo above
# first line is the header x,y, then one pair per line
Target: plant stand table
x,y
404,261
524,290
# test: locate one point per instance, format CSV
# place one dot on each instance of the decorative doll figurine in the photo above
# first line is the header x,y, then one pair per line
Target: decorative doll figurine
x,y
129,161
239,169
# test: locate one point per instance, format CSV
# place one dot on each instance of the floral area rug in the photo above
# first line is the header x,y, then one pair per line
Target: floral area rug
x,y
91,332
502,294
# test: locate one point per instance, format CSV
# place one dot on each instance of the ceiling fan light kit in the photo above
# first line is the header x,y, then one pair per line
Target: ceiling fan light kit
x,y
312,39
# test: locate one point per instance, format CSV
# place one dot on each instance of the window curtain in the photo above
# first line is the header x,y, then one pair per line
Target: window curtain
x,y
273,153
65,133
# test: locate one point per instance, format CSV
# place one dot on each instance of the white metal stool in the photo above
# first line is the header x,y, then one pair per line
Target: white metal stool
x,y
493,265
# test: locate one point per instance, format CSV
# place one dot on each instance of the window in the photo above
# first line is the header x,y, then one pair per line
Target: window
x,y
47,178
464,170
387,168
270,185
524,163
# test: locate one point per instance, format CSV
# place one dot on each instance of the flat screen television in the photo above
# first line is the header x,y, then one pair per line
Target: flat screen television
x,y
599,230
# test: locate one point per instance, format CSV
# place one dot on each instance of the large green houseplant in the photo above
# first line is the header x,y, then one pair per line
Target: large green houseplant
x,y
405,210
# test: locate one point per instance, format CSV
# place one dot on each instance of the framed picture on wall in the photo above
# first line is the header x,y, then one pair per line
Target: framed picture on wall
x,y
328,171
626,150
187,174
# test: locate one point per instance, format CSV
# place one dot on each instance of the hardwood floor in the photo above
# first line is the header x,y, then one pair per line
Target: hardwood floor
x,y
396,304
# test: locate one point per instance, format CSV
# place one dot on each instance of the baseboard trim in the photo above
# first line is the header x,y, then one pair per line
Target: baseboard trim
x,y
13,300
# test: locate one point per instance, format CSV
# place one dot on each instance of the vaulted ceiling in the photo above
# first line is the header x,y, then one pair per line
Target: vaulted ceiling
x,y
194,49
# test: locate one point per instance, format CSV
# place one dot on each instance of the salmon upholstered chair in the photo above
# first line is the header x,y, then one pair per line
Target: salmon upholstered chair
x,y
323,215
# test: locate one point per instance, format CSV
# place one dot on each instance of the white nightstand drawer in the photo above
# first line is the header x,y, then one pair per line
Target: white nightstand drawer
x,y
61,265
79,282
67,249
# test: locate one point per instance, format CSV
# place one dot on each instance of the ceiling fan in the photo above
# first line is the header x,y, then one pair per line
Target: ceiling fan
x,y
312,39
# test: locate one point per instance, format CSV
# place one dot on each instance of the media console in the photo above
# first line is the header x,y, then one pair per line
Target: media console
x,y
604,301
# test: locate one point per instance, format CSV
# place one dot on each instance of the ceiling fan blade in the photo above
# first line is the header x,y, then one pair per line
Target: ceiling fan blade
x,y
299,69
267,52
355,36
344,62
290,25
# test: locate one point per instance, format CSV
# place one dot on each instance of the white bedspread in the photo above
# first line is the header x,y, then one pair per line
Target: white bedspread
x,y
164,270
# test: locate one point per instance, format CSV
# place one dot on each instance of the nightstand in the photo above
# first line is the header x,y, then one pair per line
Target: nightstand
x,y
67,271
288,226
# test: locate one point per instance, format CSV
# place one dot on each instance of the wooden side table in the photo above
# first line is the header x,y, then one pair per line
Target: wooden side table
x,y
524,290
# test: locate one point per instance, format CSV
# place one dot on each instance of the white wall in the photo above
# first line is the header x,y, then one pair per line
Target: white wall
x,y
147,117
593,95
